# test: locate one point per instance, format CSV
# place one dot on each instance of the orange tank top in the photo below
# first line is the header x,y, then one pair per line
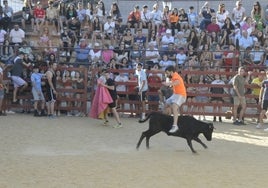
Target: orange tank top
x,y
179,88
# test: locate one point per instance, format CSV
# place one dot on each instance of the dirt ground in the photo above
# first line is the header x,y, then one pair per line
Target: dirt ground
x,y
72,152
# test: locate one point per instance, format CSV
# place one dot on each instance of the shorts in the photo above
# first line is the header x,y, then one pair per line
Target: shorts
x,y
133,97
18,81
143,96
112,105
237,101
37,97
51,97
177,99
264,105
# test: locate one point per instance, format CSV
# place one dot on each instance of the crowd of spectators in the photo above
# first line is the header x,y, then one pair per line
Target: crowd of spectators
x,y
94,36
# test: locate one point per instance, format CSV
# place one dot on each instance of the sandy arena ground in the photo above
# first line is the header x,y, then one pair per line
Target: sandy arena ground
x,y
71,152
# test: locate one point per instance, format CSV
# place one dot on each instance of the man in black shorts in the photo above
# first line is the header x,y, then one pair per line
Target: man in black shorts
x,y
51,89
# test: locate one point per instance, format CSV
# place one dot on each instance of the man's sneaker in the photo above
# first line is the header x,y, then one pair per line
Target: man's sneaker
x,y
241,123
259,126
236,122
106,122
36,114
68,54
119,125
266,129
174,129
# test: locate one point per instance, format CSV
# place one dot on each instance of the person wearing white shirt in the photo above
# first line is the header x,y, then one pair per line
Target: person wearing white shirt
x,y
151,55
17,35
109,28
246,40
238,13
166,39
156,17
146,17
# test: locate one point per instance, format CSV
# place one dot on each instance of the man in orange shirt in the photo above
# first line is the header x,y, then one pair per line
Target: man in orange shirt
x,y
178,97
134,19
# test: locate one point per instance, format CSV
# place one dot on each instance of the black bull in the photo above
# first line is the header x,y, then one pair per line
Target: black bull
x,y
189,128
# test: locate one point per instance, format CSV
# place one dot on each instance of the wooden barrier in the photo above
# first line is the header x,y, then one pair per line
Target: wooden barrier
x,y
27,104
26,100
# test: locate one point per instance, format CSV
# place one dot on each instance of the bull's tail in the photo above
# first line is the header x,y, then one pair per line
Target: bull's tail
x,y
148,117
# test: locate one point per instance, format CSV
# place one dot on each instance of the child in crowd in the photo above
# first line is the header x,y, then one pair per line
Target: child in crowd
x,y
36,79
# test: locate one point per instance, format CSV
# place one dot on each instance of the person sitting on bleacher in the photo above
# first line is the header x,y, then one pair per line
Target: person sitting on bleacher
x,y
82,52
39,15
134,18
52,16
27,14
7,15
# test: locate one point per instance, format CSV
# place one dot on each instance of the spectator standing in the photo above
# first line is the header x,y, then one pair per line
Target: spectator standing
x,y
200,98
142,87
38,96
263,101
217,101
154,84
178,97
239,98
2,90
51,89
121,77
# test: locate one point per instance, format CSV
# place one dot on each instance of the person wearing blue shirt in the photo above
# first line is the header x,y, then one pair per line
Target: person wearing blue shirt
x,y
36,79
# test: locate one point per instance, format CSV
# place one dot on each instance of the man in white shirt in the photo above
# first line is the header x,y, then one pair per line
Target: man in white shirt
x,y
17,35
146,17
246,40
109,28
151,55
166,39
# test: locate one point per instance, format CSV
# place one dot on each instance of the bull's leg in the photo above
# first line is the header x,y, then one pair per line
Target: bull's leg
x,y
147,142
189,141
140,140
200,142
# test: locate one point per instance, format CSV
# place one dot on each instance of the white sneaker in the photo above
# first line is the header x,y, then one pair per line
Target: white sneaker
x,y
266,129
174,129
259,126
63,54
118,126
68,54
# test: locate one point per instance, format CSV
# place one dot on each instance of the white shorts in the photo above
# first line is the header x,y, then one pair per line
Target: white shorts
x,y
177,99
17,81
37,97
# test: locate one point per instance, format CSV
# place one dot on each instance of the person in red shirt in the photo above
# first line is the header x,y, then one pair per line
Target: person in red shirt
x,y
213,26
134,19
39,15
178,97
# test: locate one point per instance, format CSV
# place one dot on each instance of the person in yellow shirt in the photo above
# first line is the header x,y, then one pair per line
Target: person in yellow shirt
x,y
178,97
